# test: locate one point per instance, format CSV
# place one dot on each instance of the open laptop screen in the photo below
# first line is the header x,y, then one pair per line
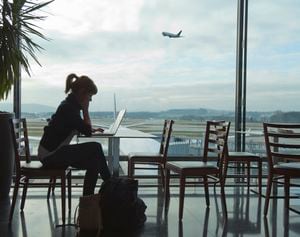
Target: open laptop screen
x,y
113,127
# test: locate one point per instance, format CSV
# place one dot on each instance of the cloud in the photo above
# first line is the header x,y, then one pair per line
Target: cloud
x,y
85,17
120,46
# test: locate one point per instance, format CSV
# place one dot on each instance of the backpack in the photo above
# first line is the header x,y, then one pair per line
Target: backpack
x,y
122,209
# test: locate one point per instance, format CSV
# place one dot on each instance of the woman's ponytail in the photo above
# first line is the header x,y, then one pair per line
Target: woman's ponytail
x,y
75,83
70,80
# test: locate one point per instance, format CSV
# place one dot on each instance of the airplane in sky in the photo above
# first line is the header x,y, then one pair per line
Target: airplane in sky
x,y
171,35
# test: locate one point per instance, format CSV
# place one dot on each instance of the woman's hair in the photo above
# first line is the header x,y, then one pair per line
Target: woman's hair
x,y
74,83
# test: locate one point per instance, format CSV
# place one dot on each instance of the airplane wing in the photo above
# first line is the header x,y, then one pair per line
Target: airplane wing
x,y
146,144
34,138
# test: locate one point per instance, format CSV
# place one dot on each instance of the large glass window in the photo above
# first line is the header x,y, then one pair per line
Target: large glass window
x,y
273,64
121,47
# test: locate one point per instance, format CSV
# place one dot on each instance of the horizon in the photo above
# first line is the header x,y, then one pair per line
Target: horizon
x,y
31,108
126,54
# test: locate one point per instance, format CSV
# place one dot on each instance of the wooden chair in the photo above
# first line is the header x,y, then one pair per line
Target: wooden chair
x,y
215,142
244,158
283,154
26,170
157,159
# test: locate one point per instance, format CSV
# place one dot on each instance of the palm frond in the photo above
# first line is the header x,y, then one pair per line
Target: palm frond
x,y
17,26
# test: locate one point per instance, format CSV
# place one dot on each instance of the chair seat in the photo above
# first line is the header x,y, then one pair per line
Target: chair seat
x,y
288,166
144,155
242,155
31,165
36,169
191,165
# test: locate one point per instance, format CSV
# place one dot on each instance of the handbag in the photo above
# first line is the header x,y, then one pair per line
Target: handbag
x,y
89,214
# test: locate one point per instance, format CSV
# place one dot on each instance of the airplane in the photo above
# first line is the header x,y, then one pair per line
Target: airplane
x,y
171,35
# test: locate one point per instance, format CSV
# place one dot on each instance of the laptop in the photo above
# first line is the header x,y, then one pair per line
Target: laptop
x,y
113,128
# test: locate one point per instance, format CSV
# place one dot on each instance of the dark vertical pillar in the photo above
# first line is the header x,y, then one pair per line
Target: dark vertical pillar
x,y
238,86
17,89
245,10
17,96
241,62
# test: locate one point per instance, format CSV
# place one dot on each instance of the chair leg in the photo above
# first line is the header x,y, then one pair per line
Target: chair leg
x,y
206,190
63,198
53,185
167,190
24,193
49,188
181,196
167,185
225,171
268,193
14,199
162,175
248,174
223,198
69,177
259,177
287,192
130,168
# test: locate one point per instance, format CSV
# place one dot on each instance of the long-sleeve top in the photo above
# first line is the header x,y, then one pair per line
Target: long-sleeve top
x,y
62,125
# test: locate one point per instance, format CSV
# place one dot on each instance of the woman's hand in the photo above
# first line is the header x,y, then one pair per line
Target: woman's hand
x,y
97,130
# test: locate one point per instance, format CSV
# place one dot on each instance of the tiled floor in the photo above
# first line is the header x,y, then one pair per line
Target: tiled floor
x,y
245,215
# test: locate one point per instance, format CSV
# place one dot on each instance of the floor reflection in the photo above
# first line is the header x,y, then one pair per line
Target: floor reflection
x,y
289,226
244,216
205,225
240,220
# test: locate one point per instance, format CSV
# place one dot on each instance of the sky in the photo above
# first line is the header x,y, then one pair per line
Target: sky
x,y
119,45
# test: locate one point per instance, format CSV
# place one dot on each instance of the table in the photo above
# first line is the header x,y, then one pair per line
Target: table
x,y
114,145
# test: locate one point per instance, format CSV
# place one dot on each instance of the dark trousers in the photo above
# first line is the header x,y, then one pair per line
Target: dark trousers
x,y
88,156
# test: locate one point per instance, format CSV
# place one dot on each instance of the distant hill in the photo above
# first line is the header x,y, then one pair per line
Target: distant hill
x,y
287,117
28,108
202,114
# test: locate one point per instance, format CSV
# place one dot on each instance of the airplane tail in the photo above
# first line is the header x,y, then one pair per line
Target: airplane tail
x,y
178,34
115,106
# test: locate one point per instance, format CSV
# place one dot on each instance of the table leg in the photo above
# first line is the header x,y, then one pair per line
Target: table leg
x,y
115,156
110,154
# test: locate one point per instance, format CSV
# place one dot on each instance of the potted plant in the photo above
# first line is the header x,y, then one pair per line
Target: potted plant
x,y
17,29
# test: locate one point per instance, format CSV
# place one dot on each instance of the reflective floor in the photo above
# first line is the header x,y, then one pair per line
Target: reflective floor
x,y
244,215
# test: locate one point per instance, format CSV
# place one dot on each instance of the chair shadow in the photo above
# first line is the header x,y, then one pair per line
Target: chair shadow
x,y
24,226
6,228
205,231
205,225
238,221
53,217
287,225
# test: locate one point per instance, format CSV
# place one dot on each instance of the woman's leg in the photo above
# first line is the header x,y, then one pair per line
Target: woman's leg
x,y
88,156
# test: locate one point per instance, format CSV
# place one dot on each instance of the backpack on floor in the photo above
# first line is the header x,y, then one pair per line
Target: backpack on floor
x,y
121,208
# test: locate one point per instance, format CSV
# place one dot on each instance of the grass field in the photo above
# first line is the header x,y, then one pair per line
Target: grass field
x,y
181,128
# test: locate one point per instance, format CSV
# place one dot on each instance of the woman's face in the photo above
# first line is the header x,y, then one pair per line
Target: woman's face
x,y
84,97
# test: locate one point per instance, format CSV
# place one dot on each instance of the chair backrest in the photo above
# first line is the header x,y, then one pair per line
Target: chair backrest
x,y
165,138
282,142
215,141
20,141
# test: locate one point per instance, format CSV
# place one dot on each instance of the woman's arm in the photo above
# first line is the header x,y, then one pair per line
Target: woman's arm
x,y
85,111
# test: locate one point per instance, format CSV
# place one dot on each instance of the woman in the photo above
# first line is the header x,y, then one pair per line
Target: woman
x,y
54,149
